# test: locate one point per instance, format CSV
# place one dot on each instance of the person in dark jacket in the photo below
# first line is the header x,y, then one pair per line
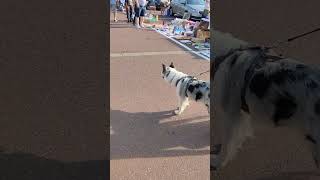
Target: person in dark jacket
x,y
129,9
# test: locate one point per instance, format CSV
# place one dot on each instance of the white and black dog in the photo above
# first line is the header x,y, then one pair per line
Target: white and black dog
x,y
252,86
188,87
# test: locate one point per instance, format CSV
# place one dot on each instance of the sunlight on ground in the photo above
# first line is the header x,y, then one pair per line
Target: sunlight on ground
x,y
177,148
179,122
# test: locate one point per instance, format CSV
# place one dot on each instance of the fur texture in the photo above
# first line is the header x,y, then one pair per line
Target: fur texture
x,y
187,88
250,88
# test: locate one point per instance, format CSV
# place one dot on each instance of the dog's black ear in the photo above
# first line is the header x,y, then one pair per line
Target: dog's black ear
x,y
163,68
171,65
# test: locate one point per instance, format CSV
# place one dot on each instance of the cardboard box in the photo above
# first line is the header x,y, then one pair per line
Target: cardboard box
x,y
151,8
197,40
183,38
202,34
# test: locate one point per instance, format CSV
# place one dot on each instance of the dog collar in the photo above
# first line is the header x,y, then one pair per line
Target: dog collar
x,y
172,78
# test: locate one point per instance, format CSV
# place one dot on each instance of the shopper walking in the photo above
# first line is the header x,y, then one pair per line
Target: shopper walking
x,y
129,9
113,7
140,11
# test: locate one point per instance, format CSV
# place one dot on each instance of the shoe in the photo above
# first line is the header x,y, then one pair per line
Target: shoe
x,y
137,26
115,20
142,26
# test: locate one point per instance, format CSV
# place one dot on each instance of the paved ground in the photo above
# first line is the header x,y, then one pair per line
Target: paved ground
x,y
275,154
147,141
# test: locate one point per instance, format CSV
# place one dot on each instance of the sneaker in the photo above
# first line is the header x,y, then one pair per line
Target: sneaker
x,y
142,26
137,26
115,20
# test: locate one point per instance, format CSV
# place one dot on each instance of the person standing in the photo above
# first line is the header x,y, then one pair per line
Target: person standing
x,y
206,11
113,7
129,9
140,11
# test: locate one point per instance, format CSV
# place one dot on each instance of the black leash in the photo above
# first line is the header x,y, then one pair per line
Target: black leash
x,y
292,39
204,72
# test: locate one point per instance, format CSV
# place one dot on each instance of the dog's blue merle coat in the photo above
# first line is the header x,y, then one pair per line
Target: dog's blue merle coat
x,y
187,86
270,89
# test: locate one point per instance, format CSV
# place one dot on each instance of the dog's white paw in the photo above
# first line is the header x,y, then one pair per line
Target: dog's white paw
x,y
177,112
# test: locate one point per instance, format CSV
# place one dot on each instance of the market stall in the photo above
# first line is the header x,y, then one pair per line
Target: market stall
x,y
194,36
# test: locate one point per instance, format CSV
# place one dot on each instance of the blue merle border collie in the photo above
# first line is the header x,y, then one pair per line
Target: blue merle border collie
x,y
253,85
187,87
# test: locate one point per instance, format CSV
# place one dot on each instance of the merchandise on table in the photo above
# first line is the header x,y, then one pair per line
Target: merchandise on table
x,y
195,35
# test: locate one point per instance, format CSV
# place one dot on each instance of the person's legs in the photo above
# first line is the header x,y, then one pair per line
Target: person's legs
x,y
134,17
113,10
131,12
142,13
141,19
137,15
115,15
205,13
134,20
128,13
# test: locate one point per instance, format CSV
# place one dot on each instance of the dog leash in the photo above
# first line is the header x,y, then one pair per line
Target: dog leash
x,y
277,44
199,74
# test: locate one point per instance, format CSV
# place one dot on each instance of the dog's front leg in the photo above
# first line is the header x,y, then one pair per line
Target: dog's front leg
x,y
183,103
240,131
219,132
234,131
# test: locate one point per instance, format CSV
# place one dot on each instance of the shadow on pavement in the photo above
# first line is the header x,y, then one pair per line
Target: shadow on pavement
x,y
120,27
303,175
153,134
298,175
30,167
